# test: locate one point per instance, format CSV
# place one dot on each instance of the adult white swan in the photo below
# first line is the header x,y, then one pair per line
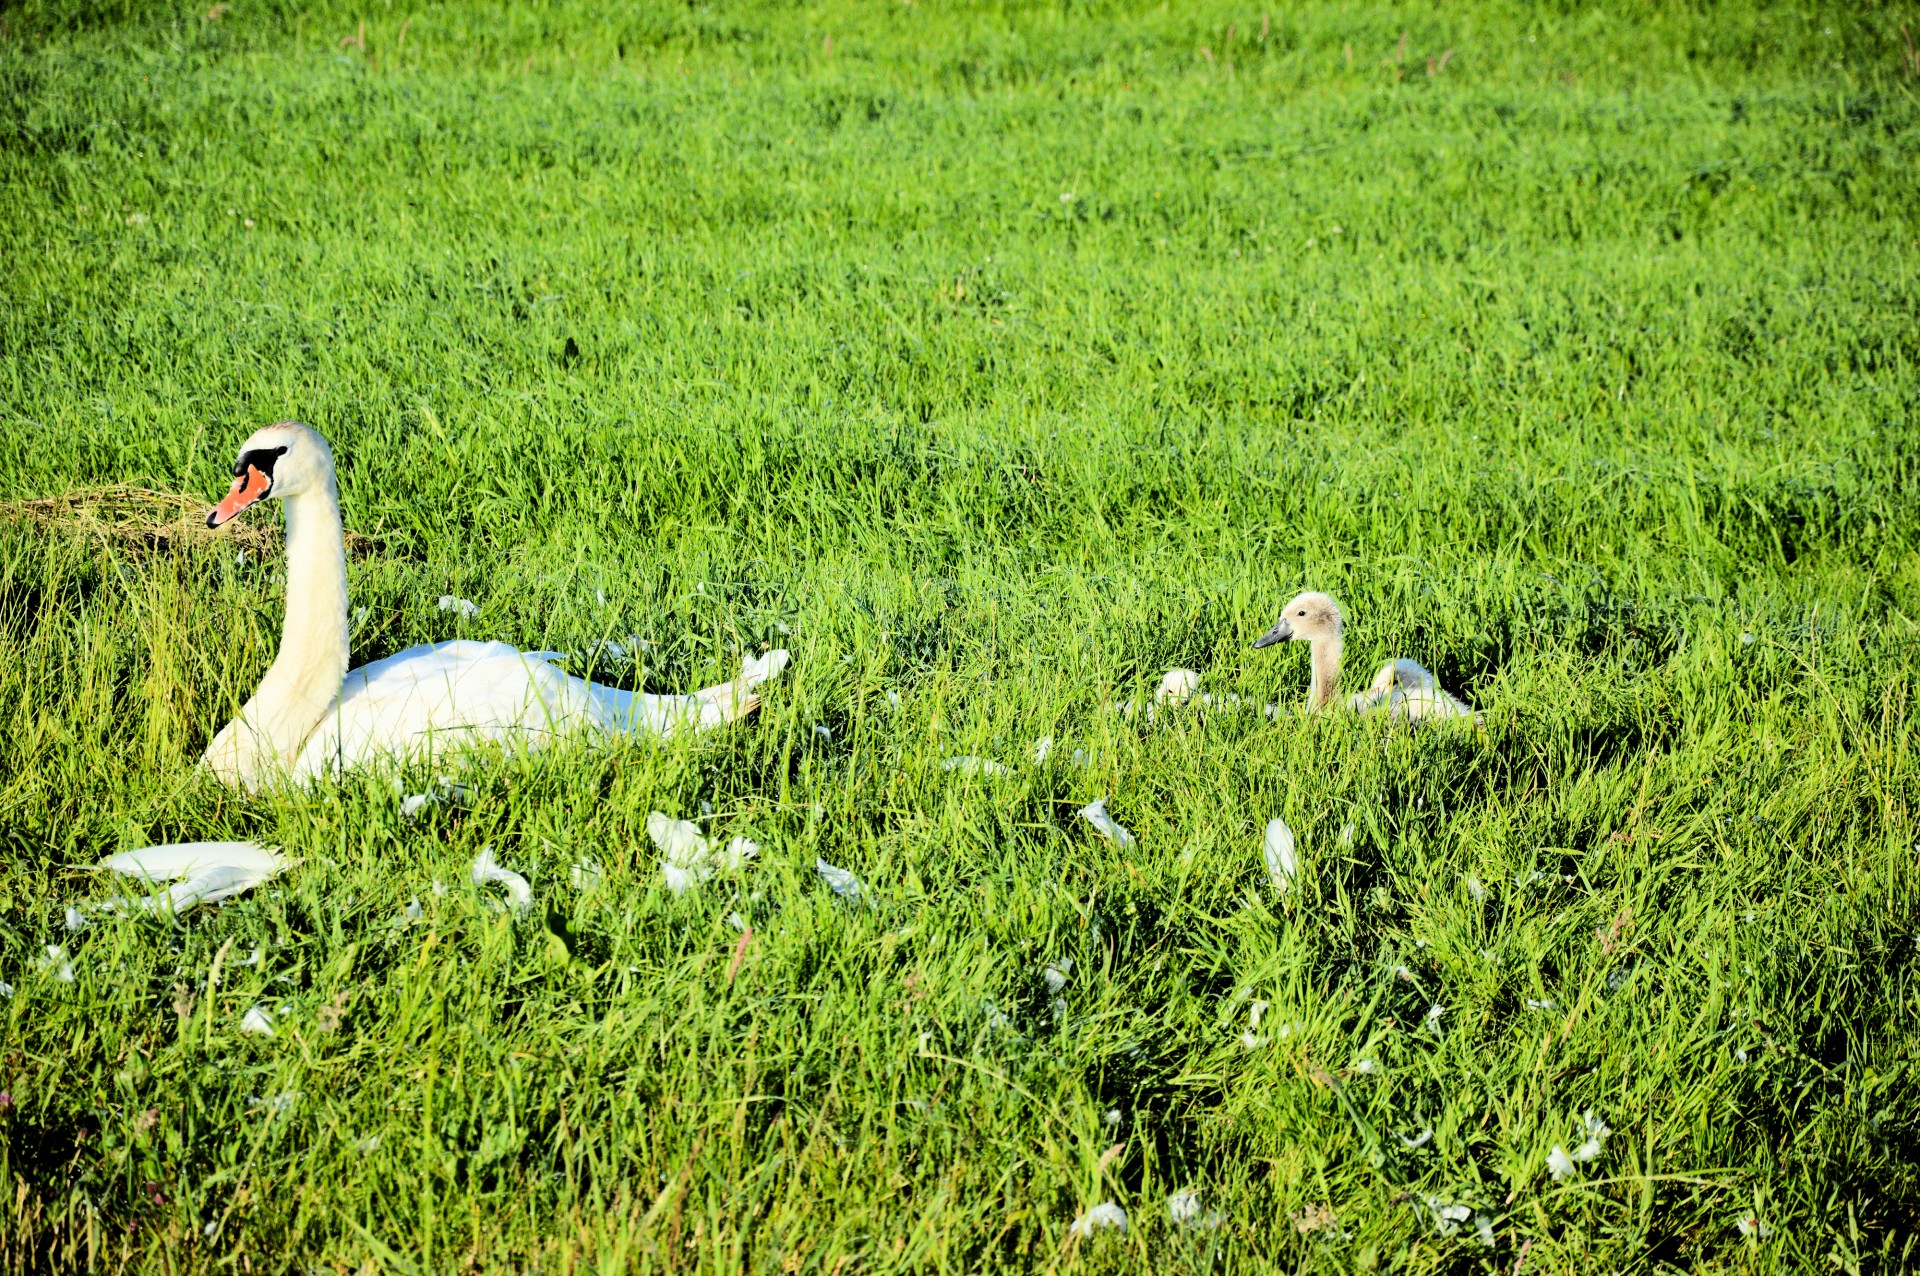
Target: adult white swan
x,y
1403,688
310,715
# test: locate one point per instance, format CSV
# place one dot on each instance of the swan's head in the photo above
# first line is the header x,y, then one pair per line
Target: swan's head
x,y
277,461
1309,618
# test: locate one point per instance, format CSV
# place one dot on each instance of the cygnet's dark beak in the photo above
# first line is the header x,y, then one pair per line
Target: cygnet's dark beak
x,y
1281,632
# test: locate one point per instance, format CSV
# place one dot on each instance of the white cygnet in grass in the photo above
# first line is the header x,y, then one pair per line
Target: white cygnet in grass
x,y
1177,687
1402,689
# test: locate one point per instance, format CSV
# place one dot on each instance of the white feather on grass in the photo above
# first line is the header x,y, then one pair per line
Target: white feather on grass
x,y
969,765
1596,1132
1183,1210
1283,866
1100,1217
488,869
257,1022
1056,972
56,963
1095,813
202,873
687,859
840,881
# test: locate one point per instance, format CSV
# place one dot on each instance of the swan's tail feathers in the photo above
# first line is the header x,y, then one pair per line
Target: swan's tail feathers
x,y
731,701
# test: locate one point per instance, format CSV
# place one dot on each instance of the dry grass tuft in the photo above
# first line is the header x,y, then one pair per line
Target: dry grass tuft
x,y
146,518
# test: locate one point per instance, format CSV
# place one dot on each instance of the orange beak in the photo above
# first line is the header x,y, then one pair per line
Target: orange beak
x,y
247,489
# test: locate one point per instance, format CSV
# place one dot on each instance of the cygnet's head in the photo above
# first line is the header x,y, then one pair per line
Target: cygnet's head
x,y
1309,618
1177,687
276,461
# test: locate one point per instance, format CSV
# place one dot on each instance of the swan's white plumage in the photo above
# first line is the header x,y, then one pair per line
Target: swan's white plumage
x,y
425,699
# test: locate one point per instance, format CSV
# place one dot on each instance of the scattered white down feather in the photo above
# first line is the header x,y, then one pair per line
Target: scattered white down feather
x,y
445,791
1559,1164
75,919
586,875
1100,1217
1447,1215
488,869
1596,1132
56,963
839,880
1043,750
969,765
465,608
688,859
1283,866
1056,972
202,873
1250,1039
1183,1210
257,1022
1095,813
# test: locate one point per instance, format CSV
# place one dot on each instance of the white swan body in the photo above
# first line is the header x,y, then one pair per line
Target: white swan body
x,y
1404,690
311,717
425,699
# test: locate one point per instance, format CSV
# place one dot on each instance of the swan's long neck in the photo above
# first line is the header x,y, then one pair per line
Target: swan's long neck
x,y
1326,673
304,679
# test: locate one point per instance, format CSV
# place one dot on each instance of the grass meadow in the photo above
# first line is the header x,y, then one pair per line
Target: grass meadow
x,y
994,358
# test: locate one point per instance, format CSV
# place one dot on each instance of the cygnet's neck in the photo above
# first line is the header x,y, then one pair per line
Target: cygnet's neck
x,y
305,677
1325,683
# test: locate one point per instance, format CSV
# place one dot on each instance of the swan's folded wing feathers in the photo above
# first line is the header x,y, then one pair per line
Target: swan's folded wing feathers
x,y
451,693
469,691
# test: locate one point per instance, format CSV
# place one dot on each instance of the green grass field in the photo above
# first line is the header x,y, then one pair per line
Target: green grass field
x,y
994,358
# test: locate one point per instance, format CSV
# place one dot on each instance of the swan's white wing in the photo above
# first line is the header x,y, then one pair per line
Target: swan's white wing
x,y
426,698
185,859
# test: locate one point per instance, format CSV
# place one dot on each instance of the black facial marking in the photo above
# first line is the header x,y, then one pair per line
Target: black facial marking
x,y
261,459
